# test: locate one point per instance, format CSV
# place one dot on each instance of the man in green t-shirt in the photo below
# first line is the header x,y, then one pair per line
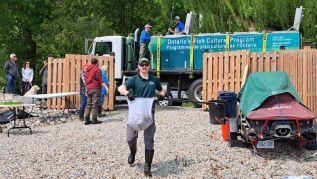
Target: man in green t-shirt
x,y
142,85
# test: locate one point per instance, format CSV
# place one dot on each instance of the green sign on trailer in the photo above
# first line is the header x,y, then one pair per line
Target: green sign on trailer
x,y
186,52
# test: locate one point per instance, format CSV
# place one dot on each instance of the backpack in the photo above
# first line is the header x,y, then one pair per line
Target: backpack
x,y
6,116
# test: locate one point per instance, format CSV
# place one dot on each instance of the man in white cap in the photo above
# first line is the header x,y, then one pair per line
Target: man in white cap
x,y
145,39
179,29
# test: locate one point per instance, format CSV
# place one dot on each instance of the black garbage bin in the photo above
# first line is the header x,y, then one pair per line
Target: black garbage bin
x,y
217,111
231,102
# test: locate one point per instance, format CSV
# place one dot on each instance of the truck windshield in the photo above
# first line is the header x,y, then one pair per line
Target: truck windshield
x,y
103,48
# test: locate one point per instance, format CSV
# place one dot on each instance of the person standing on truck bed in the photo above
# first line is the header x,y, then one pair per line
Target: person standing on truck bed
x,y
179,29
145,39
142,85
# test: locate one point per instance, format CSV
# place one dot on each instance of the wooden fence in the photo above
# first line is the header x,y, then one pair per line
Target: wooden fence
x,y
224,71
64,75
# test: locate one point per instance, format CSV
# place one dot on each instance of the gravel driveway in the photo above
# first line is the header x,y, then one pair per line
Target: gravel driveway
x,y
186,146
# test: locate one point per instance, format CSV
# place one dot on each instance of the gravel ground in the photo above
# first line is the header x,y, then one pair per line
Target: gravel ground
x,y
186,146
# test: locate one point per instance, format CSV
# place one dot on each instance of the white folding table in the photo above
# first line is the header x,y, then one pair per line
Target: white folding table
x,y
13,107
54,95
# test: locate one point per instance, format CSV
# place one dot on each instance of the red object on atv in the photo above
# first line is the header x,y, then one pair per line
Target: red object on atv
x,y
281,106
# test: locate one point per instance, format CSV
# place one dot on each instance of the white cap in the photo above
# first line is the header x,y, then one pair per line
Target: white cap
x,y
147,26
177,18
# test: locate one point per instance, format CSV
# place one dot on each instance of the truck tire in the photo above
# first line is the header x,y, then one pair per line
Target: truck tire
x,y
195,92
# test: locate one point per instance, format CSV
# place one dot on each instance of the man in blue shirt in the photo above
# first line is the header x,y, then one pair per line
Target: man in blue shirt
x,y
179,29
145,39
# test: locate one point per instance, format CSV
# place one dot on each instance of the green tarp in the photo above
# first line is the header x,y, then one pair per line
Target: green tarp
x,y
261,85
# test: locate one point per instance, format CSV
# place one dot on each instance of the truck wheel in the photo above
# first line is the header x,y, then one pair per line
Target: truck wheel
x,y
195,92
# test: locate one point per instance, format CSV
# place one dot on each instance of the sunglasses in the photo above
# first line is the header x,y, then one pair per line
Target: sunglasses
x,y
144,64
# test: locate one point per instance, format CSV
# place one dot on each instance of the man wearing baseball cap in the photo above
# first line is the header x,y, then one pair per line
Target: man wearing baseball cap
x,y
179,29
145,39
142,85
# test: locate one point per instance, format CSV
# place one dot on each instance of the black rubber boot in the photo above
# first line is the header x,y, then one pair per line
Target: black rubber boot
x,y
95,121
131,158
100,112
81,115
87,121
148,162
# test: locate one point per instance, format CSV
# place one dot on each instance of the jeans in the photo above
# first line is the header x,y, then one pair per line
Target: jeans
x,y
102,99
10,83
83,102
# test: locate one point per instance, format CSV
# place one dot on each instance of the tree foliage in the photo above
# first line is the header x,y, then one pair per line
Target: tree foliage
x,y
34,29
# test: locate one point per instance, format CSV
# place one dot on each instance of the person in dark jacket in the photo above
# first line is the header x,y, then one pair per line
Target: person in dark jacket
x,y
93,82
43,73
83,97
11,73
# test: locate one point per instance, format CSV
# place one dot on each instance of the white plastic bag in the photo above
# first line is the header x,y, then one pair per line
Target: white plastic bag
x,y
140,113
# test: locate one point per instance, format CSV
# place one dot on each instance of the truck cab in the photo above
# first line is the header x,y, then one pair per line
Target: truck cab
x,y
107,45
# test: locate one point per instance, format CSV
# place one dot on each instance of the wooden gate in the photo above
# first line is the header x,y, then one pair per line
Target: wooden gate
x,y
64,75
223,71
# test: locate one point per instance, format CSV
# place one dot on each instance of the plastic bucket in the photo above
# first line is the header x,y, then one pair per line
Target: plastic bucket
x,y
225,130
217,111
231,102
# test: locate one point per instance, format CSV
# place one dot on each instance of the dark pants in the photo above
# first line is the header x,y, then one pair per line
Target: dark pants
x,y
44,89
132,135
93,100
25,87
83,102
10,83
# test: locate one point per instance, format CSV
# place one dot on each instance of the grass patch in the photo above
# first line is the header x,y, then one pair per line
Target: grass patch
x,y
187,104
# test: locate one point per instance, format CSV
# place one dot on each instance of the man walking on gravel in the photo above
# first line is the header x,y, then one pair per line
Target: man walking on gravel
x,y
93,82
142,85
